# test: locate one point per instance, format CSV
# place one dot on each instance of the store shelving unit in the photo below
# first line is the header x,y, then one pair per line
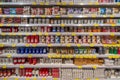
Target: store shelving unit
x,y
53,55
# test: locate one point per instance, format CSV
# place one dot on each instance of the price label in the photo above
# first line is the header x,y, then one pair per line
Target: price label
x,y
34,45
80,67
33,16
41,3
93,16
118,3
88,78
49,45
90,3
8,55
96,25
94,56
63,56
1,45
113,25
13,45
58,3
94,67
43,16
49,56
71,3
16,25
8,24
27,45
110,57
3,34
91,34
96,3
92,45
62,25
57,16
112,34
104,16
29,55
46,34
40,33
112,16
78,45
77,56
64,3
81,56
96,78
1,25
58,34
73,34
34,3
76,79
47,3
55,78
43,78
27,78
21,66
70,16
4,66
16,79
5,78
58,56
34,33
68,45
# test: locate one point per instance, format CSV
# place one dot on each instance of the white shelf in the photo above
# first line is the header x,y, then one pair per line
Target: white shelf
x,y
59,25
60,33
56,45
65,16
63,4
30,78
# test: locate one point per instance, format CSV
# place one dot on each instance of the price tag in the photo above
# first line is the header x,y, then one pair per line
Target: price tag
x,y
81,56
49,56
1,45
76,79
27,78
78,45
13,45
58,33
34,45
77,56
49,45
118,3
96,78
34,3
5,78
4,66
58,3
34,33
46,34
94,56
112,16
64,3
8,55
112,34
71,3
88,78
40,33
92,45
41,3
90,3
96,25
16,25
70,16
55,78
113,25
63,56
73,34
43,78
94,67
47,3
57,16
8,24
27,45
93,16
96,3
80,67
68,45
43,16
91,34
3,34
33,16
1,25
21,66
104,16
16,79
105,45
29,55
58,56
62,25
110,57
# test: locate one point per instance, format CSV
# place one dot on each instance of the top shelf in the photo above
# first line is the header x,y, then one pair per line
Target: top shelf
x,y
61,4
